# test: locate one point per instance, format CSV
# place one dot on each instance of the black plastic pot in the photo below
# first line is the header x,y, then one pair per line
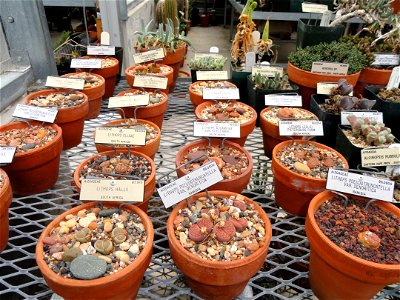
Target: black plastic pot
x,y
309,33
350,152
239,78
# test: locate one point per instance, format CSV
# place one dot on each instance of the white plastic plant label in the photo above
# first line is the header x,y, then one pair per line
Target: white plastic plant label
x,y
152,82
101,50
269,71
326,18
386,59
216,129
313,8
283,100
212,75
377,157
121,136
86,63
220,93
198,55
214,49
65,82
30,112
372,115
394,79
112,190
7,154
148,55
105,38
301,128
360,185
129,101
250,61
329,68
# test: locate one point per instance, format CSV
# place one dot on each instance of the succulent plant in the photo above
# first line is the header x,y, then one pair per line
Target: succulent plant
x,y
271,83
208,63
373,132
392,95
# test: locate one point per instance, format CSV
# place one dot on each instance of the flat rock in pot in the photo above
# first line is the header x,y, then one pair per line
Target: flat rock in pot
x,y
196,156
88,267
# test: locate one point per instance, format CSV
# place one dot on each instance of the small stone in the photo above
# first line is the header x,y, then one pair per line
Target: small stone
x,y
229,159
88,267
92,225
84,222
71,223
124,257
82,213
57,255
63,230
134,249
28,146
239,204
252,246
55,248
124,246
202,248
48,240
301,168
211,251
71,254
197,156
105,258
108,212
369,239
69,217
233,248
108,226
240,110
84,246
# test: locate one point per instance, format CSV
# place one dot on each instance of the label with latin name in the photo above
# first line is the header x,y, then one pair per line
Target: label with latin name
x,y
152,82
386,59
250,61
372,115
212,75
65,82
221,93
301,128
377,157
121,136
86,63
101,50
129,101
360,185
329,68
267,71
394,80
7,154
198,55
217,129
283,100
313,8
148,55
31,112
190,184
325,88
112,190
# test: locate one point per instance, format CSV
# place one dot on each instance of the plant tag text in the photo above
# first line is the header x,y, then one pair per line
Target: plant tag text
x,y
101,50
267,71
121,136
66,83
380,157
217,129
326,18
221,94
394,79
148,55
325,88
112,190
386,59
129,101
190,184
301,128
30,112
152,82
212,75
372,115
86,63
329,68
250,61
360,185
7,154
283,100
313,8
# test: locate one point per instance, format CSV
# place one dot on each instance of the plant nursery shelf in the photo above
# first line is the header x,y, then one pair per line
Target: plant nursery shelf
x,y
285,271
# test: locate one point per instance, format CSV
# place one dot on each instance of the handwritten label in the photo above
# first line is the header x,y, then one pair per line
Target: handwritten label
x,y
301,128
112,190
267,71
380,157
386,59
153,82
372,115
283,100
190,184
66,83
394,80
220,94
212,75
86,63
101,50
148,55
329,68
360,185
325,88
198,55
129,101
313,8
7,154
215,129
121,136
250,61
35,113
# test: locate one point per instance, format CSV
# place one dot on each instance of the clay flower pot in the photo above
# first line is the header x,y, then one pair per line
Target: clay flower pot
x,y
217,279
123,284
235,184
337,274
71,119
294,190
151,147
154,112
6,197
149,184
196,89
108,71
307,81
165,71
247,116
371,76
34,170
94,90
270,128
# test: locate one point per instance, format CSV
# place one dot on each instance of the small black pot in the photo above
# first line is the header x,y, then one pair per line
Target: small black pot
x,y
350,152
239,78
309,35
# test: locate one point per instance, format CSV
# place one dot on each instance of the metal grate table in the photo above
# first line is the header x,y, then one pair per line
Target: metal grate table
x,y
284,274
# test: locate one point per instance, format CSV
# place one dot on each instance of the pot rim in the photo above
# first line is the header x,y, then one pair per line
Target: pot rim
x,y
170,69
103,81
103,57
5,190
271,107
290,65
164,99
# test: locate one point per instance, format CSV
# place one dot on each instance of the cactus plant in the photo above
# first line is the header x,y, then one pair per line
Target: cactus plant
x,y
271,83
208,63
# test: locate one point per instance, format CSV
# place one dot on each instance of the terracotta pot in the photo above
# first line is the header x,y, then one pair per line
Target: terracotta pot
x,y
245,128
371,76
36,170
196,98
94,94
396,6
235,185
6,197
108,73
149,185
215,279
271,136
307,81
153,113
336,274
70,119
149,149
170,75
293,191
121,285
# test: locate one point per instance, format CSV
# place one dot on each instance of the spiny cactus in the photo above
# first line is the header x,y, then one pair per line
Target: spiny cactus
x,y
170,11
271,83
208,63
373,132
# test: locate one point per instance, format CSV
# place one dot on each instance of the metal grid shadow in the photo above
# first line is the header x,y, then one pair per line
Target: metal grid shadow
x,y
284,274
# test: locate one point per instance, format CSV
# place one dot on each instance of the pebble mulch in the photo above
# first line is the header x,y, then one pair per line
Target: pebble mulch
x,y
309,160
277,114
220,228
59,100
358,141
200,85
155,97
227,110
150,69
369,233
108,62
94,243
90,80
392,95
